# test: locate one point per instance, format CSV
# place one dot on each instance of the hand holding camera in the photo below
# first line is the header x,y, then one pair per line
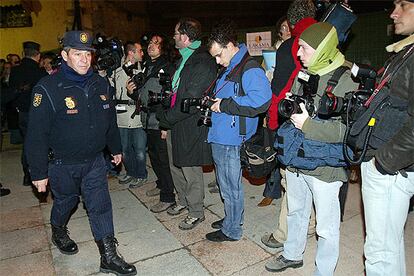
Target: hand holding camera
x,y
298,119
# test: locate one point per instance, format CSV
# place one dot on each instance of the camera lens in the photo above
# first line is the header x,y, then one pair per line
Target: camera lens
x,y
287,108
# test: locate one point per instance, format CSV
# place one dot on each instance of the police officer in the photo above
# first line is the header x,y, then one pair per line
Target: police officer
x,y
22,79
72,120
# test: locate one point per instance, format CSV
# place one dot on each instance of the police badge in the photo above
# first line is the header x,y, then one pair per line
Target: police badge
x,y
70,102
37,99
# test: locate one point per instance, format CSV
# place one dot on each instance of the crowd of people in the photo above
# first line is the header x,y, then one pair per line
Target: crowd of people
x,y
196,105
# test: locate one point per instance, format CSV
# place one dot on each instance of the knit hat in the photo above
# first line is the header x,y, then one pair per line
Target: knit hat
x,y
316,33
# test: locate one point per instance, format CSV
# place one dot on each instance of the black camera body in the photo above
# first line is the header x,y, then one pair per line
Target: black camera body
x,y
203,104
108,53
164,96
288,107
331,105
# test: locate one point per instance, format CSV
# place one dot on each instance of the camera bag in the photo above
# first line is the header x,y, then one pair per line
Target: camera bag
x,y
379,119
257,155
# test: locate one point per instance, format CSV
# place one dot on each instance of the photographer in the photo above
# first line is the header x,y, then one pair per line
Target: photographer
x,y
388,173
195,72
319,54
133,136
242,92
152,94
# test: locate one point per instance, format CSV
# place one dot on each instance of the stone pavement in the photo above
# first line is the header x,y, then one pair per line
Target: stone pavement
x,y
153,242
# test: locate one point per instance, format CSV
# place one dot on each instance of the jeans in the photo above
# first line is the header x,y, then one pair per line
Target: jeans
x,y
386,199
273,187
301,189
134,142
229,178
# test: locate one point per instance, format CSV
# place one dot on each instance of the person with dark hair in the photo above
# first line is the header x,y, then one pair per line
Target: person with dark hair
x,y
186,140
72,121
299,16
133,136
46,62
319,187
22,79
241,93
14,59
153,95
388,170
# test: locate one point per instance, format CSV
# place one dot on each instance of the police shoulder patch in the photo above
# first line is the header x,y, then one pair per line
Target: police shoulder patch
x,y
37,99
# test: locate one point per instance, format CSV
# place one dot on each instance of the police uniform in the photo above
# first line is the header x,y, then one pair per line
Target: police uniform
x,y
76,123
22,80
72,120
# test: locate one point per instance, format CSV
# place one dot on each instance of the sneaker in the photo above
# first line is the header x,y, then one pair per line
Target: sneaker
x,y
153,192
161,206
125,179
270,241
280,263
214,190
212,184
176,209
137,182
189,223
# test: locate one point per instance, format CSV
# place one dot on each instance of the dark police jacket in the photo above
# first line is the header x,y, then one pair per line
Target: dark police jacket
x,y
22,80
75,123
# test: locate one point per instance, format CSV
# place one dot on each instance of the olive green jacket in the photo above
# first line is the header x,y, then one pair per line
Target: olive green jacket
x,y
331,131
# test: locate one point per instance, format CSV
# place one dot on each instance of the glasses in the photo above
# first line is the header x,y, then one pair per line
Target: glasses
x,y
219,54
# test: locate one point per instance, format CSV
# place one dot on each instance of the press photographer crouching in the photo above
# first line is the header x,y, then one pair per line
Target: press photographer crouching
x,y
313,175
133,136
154,93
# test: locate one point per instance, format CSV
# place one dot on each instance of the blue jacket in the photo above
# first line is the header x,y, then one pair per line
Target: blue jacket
x,y
75,123
225,125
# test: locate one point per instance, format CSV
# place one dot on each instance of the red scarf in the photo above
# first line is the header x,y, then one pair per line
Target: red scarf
x,y
273,113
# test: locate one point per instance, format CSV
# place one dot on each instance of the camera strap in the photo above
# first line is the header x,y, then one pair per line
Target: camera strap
x,y
387,77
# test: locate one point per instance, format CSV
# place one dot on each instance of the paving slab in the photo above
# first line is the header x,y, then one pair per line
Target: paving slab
x,y
228,257
18,200
20,218
177,263
259,269
23,242
37,264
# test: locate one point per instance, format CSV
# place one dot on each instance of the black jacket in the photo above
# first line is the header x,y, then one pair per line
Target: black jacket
x,y
189,141
22,80
75,123
398,153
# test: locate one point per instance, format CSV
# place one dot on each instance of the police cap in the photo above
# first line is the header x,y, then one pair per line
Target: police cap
x,y
79,40
31,45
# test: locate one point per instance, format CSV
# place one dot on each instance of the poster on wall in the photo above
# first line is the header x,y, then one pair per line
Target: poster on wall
x,y
256,42
15,17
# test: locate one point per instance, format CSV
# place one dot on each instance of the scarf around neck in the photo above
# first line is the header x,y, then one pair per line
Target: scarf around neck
x,y
72,75
185,54
327,57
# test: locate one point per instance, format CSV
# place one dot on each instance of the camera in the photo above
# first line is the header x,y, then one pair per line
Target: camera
x,y
108,53
309,83
332,105
163,96
203,104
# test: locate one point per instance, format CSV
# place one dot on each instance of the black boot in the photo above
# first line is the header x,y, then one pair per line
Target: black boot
x,y
27,180
111,262
60,238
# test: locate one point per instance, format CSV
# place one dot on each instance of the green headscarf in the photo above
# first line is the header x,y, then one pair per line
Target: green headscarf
x,y
323,38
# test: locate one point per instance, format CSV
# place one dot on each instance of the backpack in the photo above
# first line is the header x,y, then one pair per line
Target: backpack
x,y
257,156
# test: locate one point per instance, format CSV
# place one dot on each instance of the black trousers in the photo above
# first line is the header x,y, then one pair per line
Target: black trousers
x,y
23,122
158,155
68,182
